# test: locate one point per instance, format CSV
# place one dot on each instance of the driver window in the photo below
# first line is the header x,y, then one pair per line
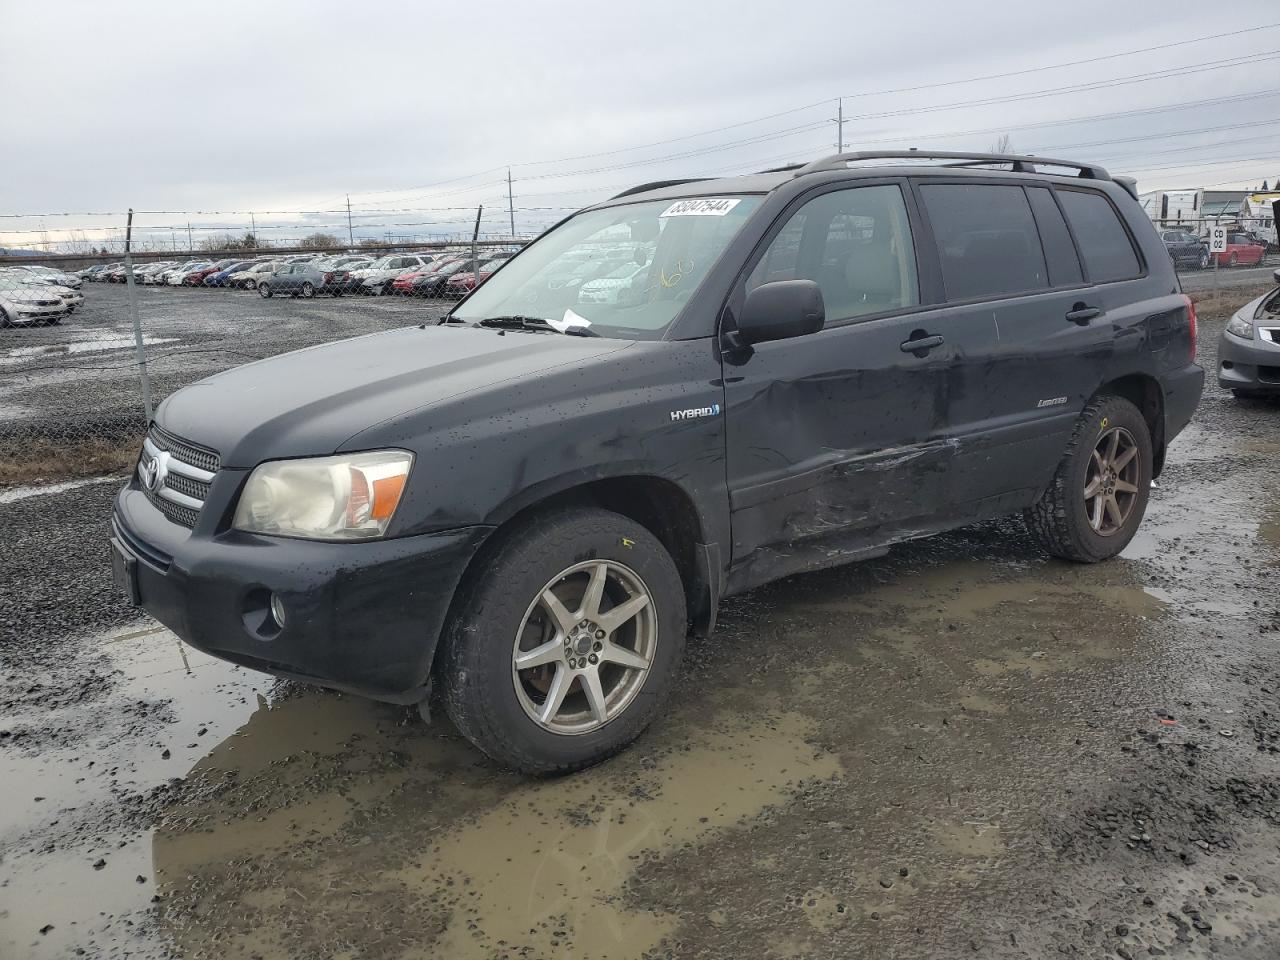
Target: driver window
x,y
856,244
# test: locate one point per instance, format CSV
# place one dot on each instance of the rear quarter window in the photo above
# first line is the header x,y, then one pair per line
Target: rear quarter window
x,y
1104,243
987,239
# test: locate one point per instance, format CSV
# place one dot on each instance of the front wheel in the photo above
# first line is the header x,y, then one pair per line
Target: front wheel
x,y
1098,495
566,641
250,284
264,291
1232,260
308,291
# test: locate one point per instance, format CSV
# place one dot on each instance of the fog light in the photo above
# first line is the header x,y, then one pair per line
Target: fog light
x,y
277,610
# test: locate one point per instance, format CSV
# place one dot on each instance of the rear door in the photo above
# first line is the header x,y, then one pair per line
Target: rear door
x,y
1029,332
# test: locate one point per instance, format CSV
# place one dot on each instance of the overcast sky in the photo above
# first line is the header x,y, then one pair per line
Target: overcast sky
x,y
414,108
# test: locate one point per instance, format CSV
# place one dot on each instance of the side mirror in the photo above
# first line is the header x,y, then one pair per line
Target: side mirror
x,y
780,310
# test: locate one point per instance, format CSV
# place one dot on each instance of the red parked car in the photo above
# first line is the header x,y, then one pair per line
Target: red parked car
x,y
463,283
403,285
1241,248
196,277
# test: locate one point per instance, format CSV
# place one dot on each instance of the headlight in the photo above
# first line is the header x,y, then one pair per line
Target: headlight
x,y
347,497
1240,326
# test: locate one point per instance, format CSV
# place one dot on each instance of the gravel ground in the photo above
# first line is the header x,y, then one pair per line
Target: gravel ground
x,y
963,749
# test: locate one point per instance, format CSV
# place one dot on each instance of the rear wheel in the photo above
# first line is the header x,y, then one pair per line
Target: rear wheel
x,y
264,291
1231,260
251,284
4,319
1099,492
566,641
1203,262
308,291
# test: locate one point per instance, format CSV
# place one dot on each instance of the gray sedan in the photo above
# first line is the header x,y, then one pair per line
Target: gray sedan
x,y
1249,350
299,280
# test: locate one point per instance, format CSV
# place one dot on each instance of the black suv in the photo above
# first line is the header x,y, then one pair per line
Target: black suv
x,y
1185,249
532,502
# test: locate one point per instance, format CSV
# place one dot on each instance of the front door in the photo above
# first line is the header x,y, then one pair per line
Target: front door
x,y
833,438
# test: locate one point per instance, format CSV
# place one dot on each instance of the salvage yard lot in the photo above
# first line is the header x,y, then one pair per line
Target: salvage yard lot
x,y
79,380
961,749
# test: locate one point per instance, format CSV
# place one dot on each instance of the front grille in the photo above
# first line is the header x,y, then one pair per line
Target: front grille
x,y
175,475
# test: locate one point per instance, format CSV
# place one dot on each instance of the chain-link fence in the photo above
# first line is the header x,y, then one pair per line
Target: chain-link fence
x,y
89,344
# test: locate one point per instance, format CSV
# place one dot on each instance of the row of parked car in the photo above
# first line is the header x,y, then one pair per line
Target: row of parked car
x,y
1186,249
35,295
427,274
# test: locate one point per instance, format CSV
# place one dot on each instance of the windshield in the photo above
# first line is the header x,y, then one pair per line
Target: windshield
x,y
667,246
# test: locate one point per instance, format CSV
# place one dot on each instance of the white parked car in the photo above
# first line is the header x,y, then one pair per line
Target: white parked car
x,y
150,273
175,277
377,277
247,279
54,275
30,305
610,288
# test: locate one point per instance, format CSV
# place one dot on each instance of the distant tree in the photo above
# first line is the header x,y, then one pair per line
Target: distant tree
x,y
1265,188
217,243
1003,145
369,242
248,242
317,240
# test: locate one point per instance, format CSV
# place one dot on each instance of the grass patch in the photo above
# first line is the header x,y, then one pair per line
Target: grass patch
x,y
47,460
1228,301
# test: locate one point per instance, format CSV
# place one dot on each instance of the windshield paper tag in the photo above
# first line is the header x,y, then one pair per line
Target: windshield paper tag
x,y
571,319
701,207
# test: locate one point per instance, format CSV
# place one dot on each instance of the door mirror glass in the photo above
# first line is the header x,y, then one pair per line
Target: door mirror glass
x,y
782,309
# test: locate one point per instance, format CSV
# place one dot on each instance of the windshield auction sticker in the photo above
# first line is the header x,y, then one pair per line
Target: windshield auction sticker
x,y
701,207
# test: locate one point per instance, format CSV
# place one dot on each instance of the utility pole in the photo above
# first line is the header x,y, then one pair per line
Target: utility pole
x,y
840,125
511,209
253,227
191,244
351,237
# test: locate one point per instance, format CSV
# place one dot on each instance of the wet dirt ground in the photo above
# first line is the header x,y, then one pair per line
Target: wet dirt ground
x,y
963,749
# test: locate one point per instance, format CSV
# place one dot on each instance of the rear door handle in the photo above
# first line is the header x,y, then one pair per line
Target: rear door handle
x,y
1082,314
921,345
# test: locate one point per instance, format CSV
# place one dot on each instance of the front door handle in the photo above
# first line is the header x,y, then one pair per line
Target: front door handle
x,y
1082,313
921,345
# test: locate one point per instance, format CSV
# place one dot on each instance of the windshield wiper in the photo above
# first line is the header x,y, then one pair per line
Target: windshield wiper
x,y
535,323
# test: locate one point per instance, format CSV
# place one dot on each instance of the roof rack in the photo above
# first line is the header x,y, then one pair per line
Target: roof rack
x,y
656,185
1019,162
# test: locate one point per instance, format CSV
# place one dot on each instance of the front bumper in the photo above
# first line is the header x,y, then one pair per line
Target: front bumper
x,y
363,617
1252,365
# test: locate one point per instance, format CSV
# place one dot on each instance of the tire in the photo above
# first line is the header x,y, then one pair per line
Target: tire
x,y
1061,520
308,291
1203,262
264,291
1231,260
251,284
493,704
385,291
4,319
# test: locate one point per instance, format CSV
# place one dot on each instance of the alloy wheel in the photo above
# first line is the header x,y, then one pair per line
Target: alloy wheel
x,y
584,647
1111,481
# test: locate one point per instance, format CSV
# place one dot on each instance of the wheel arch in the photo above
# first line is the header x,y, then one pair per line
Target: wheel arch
x,y
1145,393
658,504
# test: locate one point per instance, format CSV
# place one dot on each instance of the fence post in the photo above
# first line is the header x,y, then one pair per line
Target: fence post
x,y
137,323
475,256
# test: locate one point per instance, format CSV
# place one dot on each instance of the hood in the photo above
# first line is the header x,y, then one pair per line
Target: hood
x,y
309,402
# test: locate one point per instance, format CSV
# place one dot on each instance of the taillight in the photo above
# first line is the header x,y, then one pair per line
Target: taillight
x,y
328,278
1192,326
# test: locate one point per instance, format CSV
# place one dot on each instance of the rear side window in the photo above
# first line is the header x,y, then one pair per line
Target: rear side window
x,y
1108,253
1059,251
987,240
855,244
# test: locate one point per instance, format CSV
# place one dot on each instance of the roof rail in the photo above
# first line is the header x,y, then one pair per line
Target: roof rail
x,y
782,169
1019,162
657,185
